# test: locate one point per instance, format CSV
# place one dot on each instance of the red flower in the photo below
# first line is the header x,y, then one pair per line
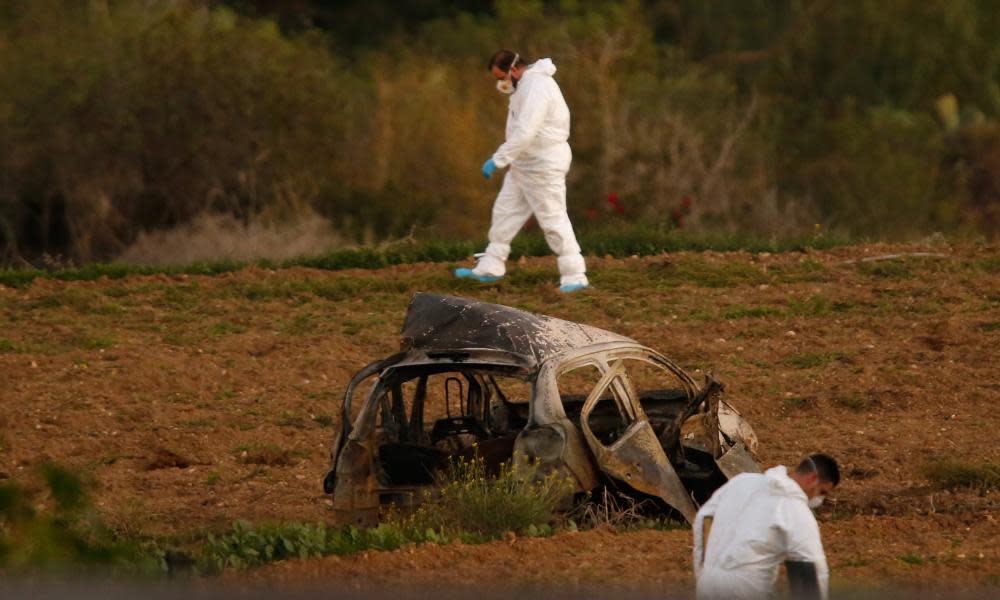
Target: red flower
x,y
686,202
677,217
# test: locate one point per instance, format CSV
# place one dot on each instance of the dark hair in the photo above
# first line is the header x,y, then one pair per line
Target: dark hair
x,y
504,60
823,465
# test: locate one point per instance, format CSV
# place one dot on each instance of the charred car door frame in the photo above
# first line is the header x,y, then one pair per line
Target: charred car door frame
x,y
636,456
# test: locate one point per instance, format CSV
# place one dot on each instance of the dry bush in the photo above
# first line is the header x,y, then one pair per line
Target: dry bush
x,y
223,237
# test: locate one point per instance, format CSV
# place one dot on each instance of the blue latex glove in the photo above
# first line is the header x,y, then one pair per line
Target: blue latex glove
x,y
488,168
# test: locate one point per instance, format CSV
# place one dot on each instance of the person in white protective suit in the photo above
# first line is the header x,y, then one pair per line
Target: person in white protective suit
x,y
755,522
537,152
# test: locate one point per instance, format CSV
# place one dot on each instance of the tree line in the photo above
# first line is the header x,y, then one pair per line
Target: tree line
x,y
863,117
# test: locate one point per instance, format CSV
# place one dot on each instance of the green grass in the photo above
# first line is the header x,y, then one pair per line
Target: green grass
x,y
470,507
800,402
469,499
300,325
988,265
227,328
911,558
703,273
855,562
323,420
855,402
886,269
93,342
617,242
955,474
811,360
288,419
816,306
10,347
746,312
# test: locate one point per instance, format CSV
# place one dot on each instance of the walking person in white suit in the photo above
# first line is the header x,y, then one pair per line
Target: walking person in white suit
x,y
538,156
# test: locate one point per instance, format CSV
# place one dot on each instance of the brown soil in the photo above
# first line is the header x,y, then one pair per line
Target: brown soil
x,y
190,402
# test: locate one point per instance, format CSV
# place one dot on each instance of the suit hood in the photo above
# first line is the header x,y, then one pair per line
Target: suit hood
x,y
783,485
543,66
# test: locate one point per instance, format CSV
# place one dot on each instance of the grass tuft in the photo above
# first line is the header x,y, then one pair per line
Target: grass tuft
x,y
811,360
885,269
956,474
10,347
264,454
800,402
855,402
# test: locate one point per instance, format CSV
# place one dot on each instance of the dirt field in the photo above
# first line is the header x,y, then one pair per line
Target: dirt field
x,y
190,402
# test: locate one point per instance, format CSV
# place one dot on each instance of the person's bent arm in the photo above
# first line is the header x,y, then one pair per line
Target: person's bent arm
x,y
808,574
526,126
803,582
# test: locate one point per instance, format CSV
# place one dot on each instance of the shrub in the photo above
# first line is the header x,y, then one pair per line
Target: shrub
x,y
469,500
67,535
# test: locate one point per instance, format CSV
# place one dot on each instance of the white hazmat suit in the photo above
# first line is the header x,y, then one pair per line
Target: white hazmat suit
x,y
758,522
539,156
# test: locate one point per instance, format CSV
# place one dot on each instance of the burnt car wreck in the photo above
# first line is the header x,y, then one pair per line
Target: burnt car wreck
x,y
598,407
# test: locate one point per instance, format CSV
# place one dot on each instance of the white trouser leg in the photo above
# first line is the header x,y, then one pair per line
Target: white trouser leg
x,y
546,194
510,213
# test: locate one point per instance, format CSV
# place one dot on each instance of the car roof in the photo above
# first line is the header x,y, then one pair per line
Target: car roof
x,y
440,324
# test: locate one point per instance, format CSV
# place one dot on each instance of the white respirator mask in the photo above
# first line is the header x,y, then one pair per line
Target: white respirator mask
x,y
506,86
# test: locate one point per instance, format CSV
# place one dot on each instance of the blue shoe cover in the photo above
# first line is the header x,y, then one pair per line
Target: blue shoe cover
x,y
572,287
463,273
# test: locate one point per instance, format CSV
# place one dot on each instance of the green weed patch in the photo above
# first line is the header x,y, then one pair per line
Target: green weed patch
x,y
471,506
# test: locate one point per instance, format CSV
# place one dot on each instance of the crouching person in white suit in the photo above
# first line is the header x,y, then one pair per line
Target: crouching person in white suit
x,y
754,523
537,152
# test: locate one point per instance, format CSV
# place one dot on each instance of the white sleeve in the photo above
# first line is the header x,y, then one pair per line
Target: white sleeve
x,y
802,541
534,108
